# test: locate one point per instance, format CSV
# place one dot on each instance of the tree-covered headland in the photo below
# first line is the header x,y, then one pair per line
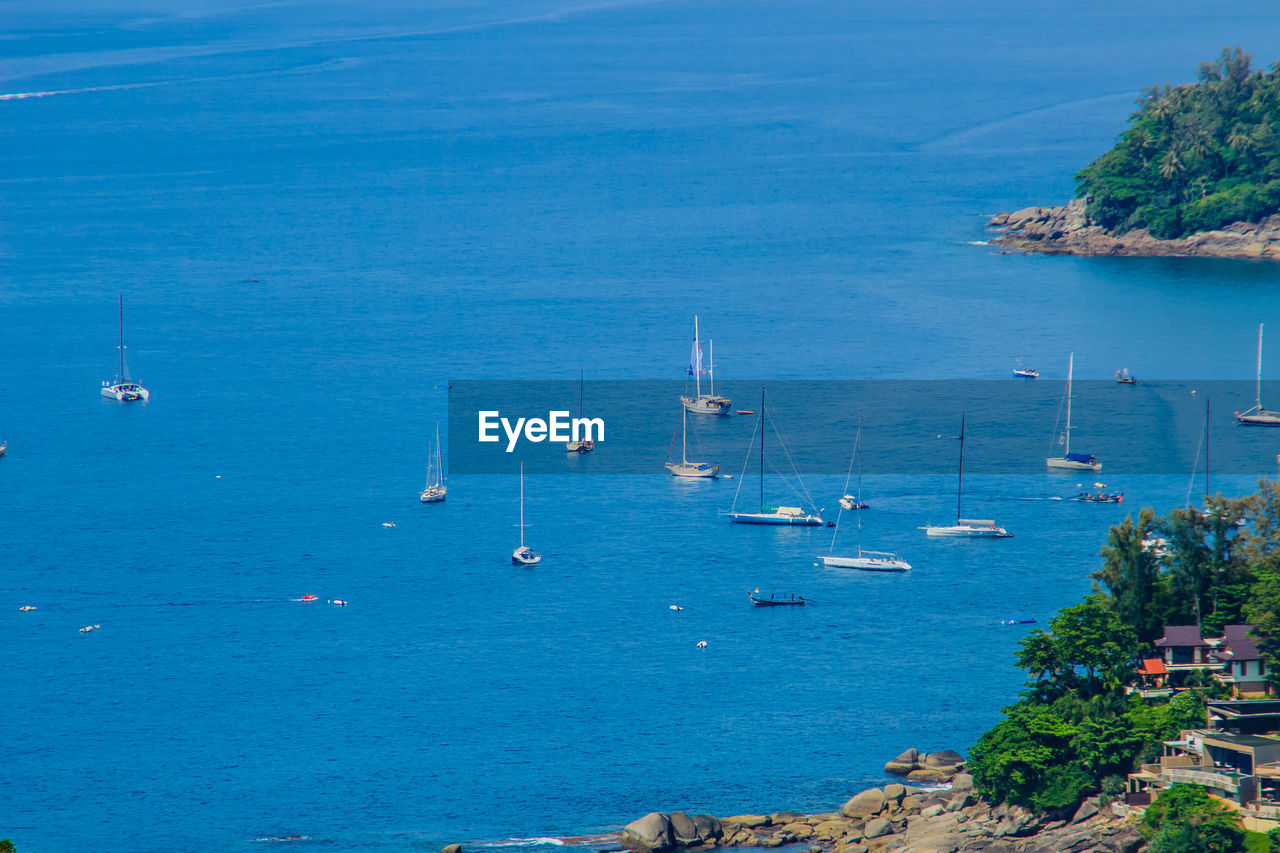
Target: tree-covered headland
x,y
1195,157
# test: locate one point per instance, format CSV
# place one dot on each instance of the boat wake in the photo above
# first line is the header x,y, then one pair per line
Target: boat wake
x,y
525,842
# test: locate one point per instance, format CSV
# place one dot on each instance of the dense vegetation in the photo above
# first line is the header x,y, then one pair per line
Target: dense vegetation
x,y
1075,731
1195,157
1187,820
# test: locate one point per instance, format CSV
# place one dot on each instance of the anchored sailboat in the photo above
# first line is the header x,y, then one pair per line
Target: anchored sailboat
x,y
685,468
1068,460
1258,416
434,490
867,561
972,527
586,445
524,555
124,389
776,515
699,403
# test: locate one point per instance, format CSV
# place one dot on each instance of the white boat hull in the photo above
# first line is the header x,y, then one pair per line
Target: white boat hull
x,y
432,494
706,405
696,470
1062,463
525,556
125,392
1263,417
968,531
868,562
579,446
774,518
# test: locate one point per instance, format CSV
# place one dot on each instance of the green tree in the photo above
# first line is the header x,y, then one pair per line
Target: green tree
x,y
1013,762
1185,818
1131,574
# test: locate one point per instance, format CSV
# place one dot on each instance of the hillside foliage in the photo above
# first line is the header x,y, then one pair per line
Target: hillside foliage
x,y
1195,157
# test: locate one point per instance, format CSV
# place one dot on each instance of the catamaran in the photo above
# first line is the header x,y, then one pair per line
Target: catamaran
x,y
586,445
524,555
1068,460
971,527
1258,416
867,561
434,490
776,515
699,403
124,389
685,468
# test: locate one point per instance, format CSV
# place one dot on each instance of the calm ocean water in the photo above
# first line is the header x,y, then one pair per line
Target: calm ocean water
x,y
321,213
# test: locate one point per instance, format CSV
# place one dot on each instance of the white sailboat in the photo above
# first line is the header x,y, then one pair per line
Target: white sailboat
x,y
524,555
1258,416
685,468
983,528
774,515
867,561
1068,460
434,490
586,445
124,389
709,403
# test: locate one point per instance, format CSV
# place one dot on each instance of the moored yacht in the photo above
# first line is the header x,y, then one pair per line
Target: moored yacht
x,y
974,528
699,403
123,388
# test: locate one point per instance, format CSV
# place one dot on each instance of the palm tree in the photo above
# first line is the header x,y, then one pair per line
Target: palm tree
x,y
1170,165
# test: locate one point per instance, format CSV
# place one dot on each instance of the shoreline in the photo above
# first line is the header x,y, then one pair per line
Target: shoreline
x,y
1064,230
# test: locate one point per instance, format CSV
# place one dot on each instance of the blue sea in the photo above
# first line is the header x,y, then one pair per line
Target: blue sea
x,y
320,214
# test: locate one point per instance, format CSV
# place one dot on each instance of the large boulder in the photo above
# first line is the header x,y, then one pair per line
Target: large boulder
x,y
878,827
829,830
709,827
962,782
904,763
945,758
933,774
864,804
451,848
893,793
653,832
685,829
751,821
1087,809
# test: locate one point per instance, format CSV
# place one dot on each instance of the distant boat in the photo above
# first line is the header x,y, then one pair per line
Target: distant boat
x,y
852,502
867,561
774,515
586,445
4,445
1068,460
983,528
685,468
699,403
758,599
1124,377
124,389
524,555
1258,416
1025,373
1099,497
434,491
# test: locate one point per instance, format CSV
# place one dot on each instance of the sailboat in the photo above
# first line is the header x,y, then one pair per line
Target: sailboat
x,y
685,468
971,527
586,445
867,561
1068,460
699,403
776,515
124,389
524,555
434,491
1258,416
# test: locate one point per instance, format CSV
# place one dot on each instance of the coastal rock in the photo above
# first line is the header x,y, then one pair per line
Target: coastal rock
x,y
829,830
1087,809
1065,230
751,821
864,804
945,759
709,827
904,763
451,848
933,774
961,782
653,832
894,793
683,827
797,830
877,827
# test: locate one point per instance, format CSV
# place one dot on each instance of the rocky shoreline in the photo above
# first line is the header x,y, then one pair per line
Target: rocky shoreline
x,y
1065,230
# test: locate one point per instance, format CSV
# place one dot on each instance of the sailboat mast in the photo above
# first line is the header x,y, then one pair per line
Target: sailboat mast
x,y
1206,448
121,346
439,459
857,449
711,366
960,472
1258,395
697,360
581,374
521,504
762,413
1071,363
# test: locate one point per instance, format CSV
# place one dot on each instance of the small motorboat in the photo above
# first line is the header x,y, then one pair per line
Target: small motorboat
x,y
339,602
1018,622
675,607
745,411
851,502
89,628
758,599
1124,377
1100,497
4,445
1025,373
309,597
26,607
388,524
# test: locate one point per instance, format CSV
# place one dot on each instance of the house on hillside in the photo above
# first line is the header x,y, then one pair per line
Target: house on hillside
x,y
1183,648
1243,668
